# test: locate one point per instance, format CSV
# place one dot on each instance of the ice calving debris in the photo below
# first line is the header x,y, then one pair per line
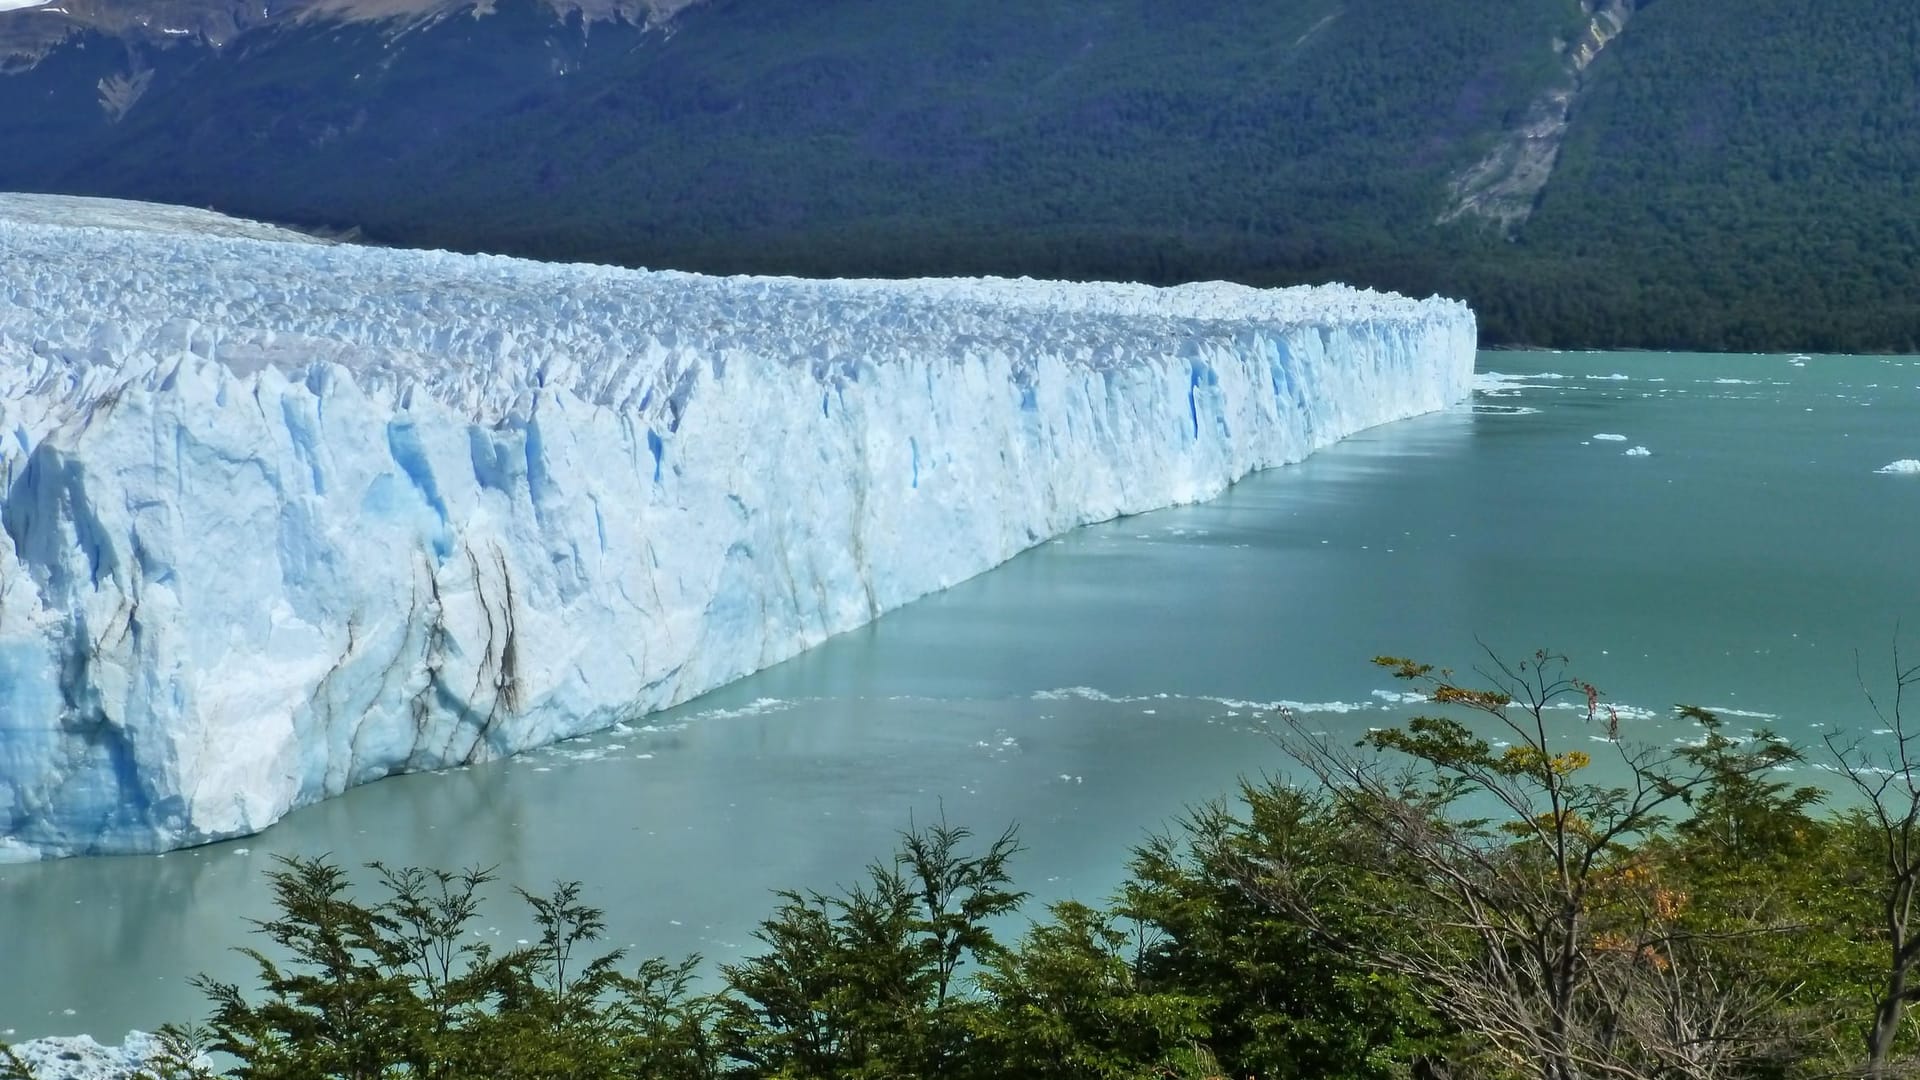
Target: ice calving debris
x,y
1745,714
1638,451
283,518
79,1057
1494,384
756,707
1603,709
1083,693
1903,467
1400,697
1609,437
1086,693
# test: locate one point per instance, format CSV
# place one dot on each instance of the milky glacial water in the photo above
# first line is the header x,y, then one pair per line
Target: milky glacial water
x,y
1091,689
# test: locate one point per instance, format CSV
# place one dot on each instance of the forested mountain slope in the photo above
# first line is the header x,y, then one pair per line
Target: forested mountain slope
x,y
1678,174
1737,176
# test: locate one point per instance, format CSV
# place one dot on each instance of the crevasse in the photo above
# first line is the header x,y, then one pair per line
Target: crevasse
x,y
282,518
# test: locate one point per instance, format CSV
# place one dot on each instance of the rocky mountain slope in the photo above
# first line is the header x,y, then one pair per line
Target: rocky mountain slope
x,y
44,25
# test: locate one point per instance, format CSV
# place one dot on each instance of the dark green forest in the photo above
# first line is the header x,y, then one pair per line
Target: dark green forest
x,y
1504,888
1733,176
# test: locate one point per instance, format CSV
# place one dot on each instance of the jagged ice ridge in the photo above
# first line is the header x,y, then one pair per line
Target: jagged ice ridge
x,y
281,518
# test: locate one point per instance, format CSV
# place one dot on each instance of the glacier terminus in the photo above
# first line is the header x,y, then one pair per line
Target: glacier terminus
x,y
282,517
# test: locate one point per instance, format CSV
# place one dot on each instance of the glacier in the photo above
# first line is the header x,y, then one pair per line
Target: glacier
x,y
282,517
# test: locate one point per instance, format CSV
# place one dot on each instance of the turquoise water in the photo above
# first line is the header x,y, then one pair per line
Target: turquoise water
x,y
1093,687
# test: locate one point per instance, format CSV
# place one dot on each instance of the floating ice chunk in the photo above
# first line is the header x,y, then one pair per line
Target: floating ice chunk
x,y
1606,436
1638,451
1903,467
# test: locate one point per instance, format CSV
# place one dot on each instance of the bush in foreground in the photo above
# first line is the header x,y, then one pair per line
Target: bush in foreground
x,y
1464,896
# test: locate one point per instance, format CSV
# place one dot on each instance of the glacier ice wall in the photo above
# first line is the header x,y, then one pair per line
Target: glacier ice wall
x,y
282,518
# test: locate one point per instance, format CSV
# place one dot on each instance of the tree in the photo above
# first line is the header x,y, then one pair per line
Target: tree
x,y
404,988
1279,994
1890,798
1069,1004
862,984
1542,933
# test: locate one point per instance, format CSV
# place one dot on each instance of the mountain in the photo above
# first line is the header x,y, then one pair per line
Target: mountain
x,y
1586,172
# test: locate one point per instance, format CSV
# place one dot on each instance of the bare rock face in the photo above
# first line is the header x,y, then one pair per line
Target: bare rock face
x,y
1503,186
119,93
30,29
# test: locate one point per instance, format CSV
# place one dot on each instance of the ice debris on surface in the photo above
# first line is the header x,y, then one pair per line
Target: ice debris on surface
x,y
283,518
1608,437
81,211
1494,384
1903,467
79,1057
1637,451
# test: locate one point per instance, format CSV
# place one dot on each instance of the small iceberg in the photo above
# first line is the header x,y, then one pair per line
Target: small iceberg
x,y
1638,451
1903,467
1605,437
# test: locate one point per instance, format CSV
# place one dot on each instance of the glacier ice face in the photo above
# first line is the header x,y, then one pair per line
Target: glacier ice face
x,y
283,518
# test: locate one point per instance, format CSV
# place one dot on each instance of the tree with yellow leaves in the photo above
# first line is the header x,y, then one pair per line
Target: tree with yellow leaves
x,y
1539,932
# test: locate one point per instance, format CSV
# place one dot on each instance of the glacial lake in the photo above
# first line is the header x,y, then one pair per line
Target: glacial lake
x,y
1092,688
